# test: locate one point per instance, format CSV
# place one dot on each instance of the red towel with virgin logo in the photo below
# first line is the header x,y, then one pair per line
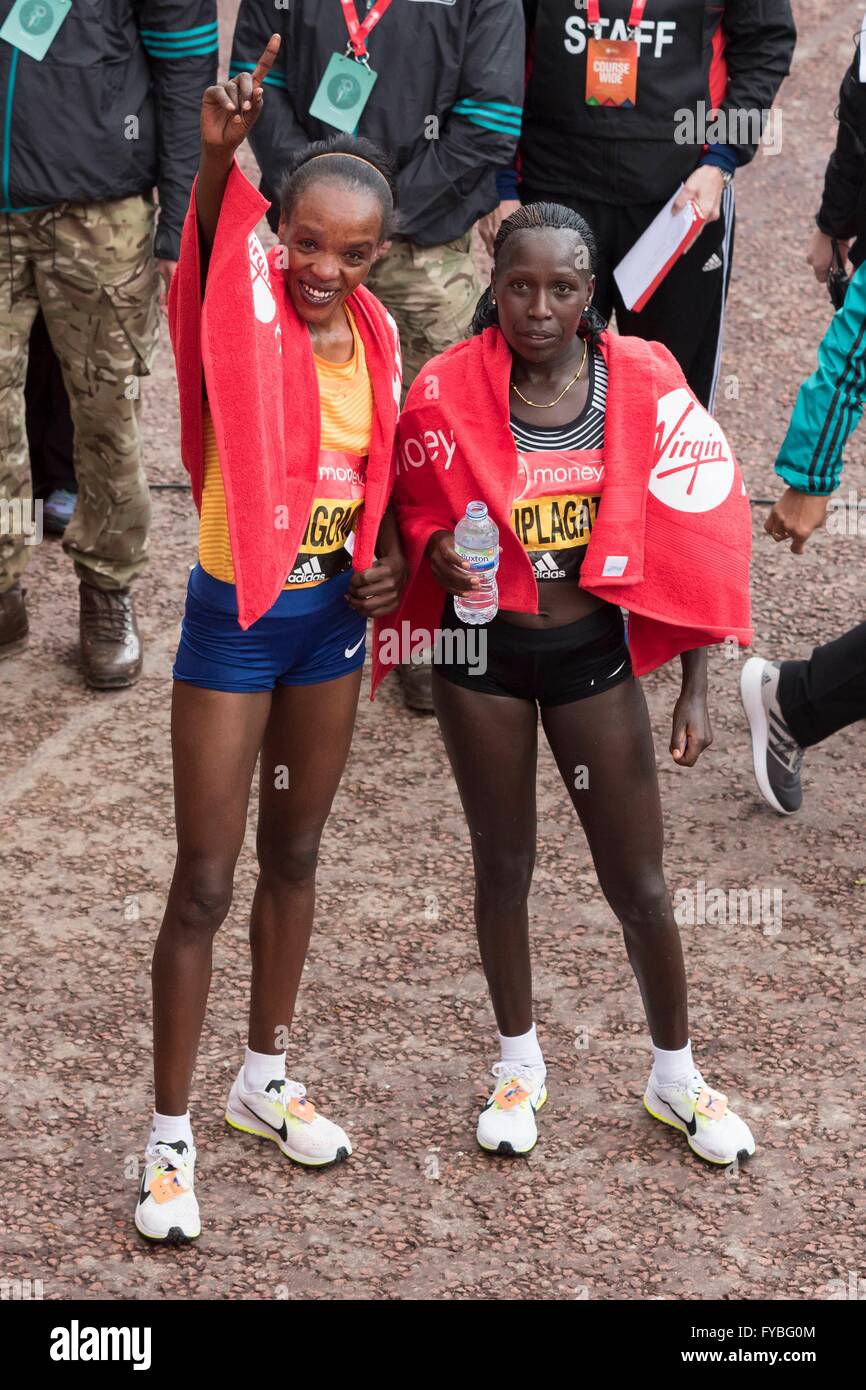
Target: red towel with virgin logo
x,y
257,358
672,541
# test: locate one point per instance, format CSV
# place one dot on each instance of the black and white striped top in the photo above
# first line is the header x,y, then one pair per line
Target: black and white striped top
x,y
586,432
555,507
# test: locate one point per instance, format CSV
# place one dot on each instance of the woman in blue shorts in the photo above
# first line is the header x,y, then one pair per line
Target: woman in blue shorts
x,y
286,685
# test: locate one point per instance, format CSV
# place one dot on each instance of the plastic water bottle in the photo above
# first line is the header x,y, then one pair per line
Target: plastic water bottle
x,y
476,539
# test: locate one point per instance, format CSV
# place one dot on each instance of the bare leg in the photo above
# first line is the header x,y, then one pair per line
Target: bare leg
x,y
610,735
492,743
307,742
216,736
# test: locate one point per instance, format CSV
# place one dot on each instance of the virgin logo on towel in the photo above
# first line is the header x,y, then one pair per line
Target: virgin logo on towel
x,y
693,468
264,304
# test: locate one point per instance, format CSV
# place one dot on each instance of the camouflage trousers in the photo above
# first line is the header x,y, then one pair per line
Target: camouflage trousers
x,y
431,291
90,268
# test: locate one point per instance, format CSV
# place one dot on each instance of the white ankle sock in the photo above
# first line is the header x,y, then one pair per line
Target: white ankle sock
x,y
262,1067
669,1067
170,1129
522,1048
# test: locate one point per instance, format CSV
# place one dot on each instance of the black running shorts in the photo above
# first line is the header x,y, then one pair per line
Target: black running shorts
x,y
551,666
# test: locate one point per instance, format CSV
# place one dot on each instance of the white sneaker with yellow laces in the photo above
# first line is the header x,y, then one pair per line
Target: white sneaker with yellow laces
x,y
167,1209
712,1130
507,1125
281,1112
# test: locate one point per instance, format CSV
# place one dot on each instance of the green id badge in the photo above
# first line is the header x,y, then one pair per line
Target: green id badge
x,y
32,24
343,93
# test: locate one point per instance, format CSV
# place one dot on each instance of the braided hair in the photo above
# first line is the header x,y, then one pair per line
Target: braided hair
x,y
542,217
364,165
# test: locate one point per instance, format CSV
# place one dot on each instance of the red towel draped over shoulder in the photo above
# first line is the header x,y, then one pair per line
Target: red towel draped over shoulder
x,y
257,358
673,538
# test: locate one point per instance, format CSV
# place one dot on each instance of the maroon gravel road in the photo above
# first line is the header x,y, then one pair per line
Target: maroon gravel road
x,y
394,1031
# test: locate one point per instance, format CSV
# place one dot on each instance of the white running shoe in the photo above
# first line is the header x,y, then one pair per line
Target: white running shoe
x,y
506,1125
776,756
167,1208
282,1112
713,1131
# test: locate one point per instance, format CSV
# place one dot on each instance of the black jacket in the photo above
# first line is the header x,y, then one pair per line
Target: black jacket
x,y
458,61
632,155
111,110
843,208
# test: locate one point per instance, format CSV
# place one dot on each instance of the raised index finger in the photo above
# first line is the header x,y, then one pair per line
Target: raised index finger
x,y
267,60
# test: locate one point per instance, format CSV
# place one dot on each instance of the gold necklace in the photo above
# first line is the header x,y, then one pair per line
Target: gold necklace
x,y
550,404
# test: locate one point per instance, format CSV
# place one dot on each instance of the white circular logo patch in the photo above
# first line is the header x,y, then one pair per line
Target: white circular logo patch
x,y
522,476
264,304
694,466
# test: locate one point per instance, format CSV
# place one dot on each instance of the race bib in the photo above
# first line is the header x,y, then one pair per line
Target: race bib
x,y
329,540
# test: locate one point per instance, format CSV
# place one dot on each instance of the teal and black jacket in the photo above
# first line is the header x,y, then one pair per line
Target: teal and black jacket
x,y
111,110
830,403
446,104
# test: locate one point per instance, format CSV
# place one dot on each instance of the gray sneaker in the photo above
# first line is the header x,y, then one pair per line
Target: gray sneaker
x,y
776,754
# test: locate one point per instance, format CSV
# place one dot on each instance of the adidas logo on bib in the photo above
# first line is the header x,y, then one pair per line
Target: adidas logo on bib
x,y
546,567
308,572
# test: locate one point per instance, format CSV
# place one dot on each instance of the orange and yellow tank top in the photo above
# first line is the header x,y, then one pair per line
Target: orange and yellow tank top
x,y
346,397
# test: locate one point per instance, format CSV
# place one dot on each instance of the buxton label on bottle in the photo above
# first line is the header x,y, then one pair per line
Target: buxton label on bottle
x,y
479,559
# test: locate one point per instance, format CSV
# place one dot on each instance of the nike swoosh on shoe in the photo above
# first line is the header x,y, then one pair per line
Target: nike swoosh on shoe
x,y
282,1131
691,1125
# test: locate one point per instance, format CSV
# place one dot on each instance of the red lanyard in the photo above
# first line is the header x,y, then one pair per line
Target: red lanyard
x,y
359,33
634,18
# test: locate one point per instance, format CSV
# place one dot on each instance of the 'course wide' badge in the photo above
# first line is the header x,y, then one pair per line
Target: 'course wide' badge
x,y
611,72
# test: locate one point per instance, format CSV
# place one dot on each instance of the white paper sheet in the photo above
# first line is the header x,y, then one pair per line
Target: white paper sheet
x,y
651,252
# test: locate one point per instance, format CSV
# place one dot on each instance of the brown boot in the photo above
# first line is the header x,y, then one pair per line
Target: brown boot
x,y
110,640
14,626
416,681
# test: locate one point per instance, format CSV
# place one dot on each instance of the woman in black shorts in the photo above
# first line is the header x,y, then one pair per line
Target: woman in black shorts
x,y
569,660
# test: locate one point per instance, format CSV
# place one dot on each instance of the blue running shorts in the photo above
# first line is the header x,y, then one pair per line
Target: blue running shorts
x,y
309,636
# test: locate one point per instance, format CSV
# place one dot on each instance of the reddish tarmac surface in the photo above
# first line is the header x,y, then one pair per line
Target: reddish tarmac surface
x,y
394,1033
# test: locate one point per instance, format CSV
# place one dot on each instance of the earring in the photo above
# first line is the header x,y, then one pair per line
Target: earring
x,y
493,300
